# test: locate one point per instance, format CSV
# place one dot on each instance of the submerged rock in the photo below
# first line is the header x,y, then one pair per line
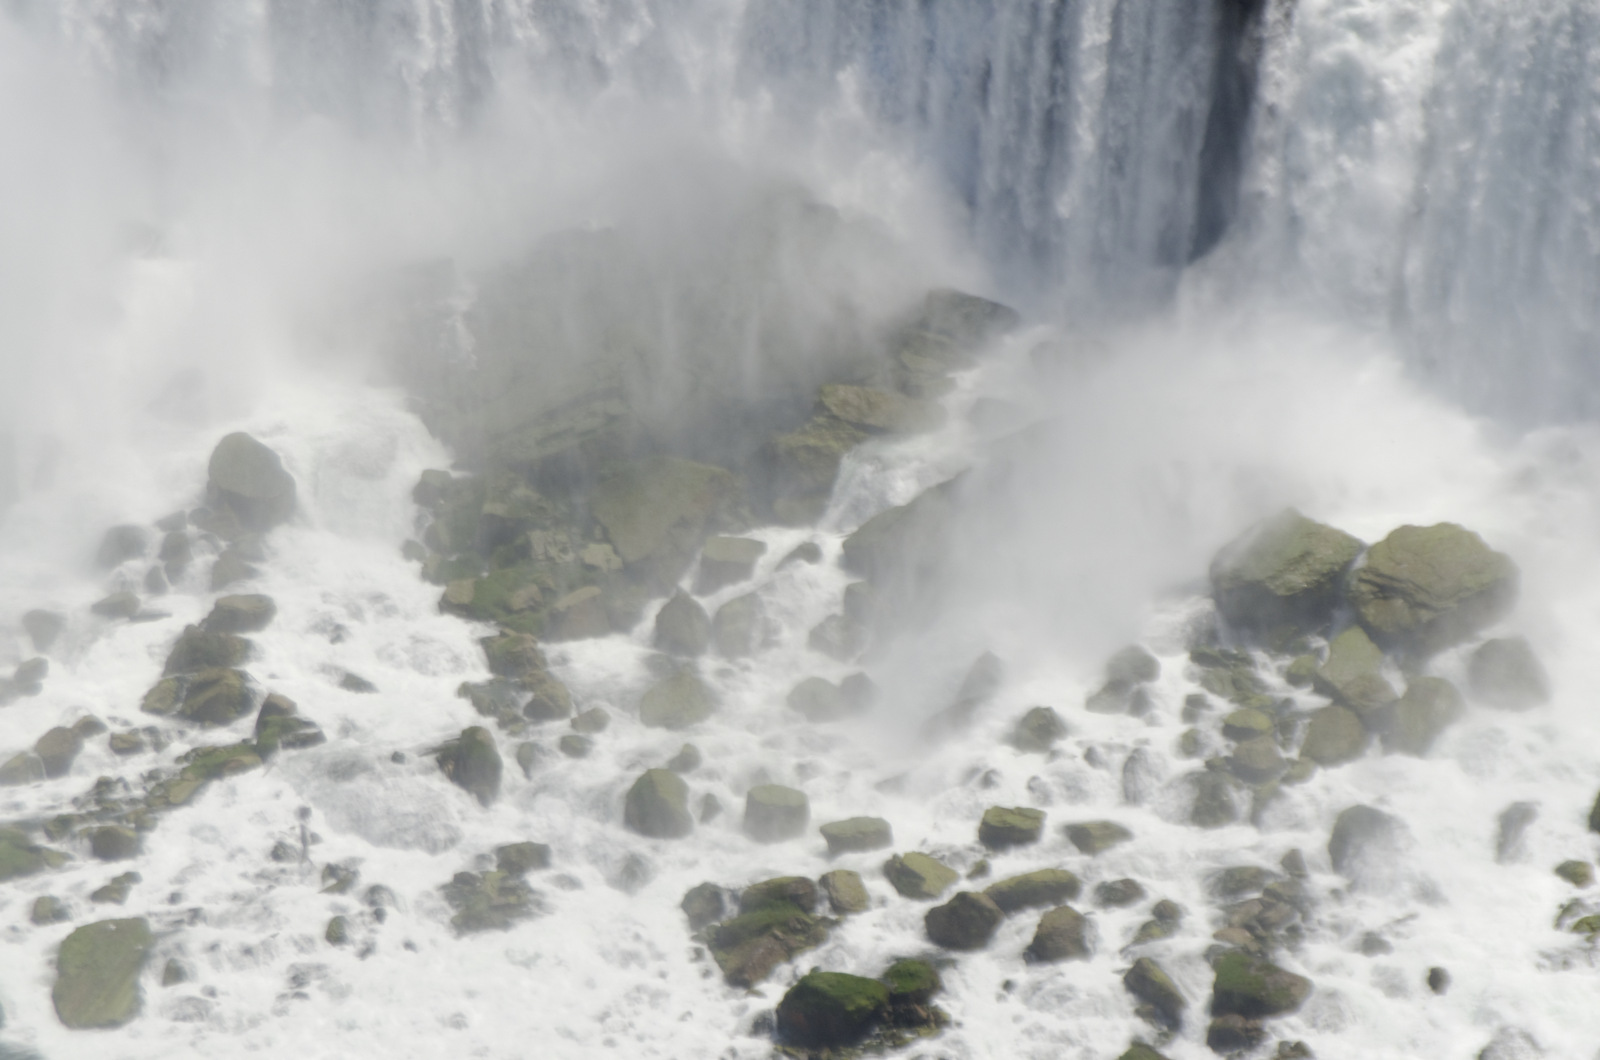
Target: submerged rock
x,y
1062,935
1505,673
1038,888
658,805
831,1009
1282,577
966,922
247,481
472,762
97,973
916,875
490,901
774,813
1426,588
43,627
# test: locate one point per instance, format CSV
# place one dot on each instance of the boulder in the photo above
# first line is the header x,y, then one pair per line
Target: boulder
x,y
120,544
739,627
56,750
917,875
579,615
677,702
1038,730
1511,828
198,649
687,760
845,890
704,904
1010,826
966,922
1216,800
1352,675
658,805
114,842
1133,665
1577,873
1505,673
489,901
748,947
1255,988
472,762
21,857
1363,837
232,566
1094,837
1156,988
1426,588
911,982
774,813
726,561
247,481
1429,706
1116,894
116,892
43,627
1062,935
202,764
857,834
1334,736
1247,724
1257,760
903,540
818,700
22,768
519,859
1038,888
513,655
657,511
838,637
48,909
682,626
240,613
118,605
1141,1051
548,698
1282,577
97,973
830,1009
1232,1034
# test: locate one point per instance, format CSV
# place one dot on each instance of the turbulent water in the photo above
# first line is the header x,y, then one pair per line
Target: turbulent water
x,y
1339,254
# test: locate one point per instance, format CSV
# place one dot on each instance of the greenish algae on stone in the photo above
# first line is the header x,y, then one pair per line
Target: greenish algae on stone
x,y
97,973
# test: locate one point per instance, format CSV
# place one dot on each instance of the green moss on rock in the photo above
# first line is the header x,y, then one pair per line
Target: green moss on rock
x,y
1255,988
1426,588
97,973
831,1009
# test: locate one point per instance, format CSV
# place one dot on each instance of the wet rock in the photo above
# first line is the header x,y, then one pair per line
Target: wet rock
x,y
1229,1034
678,702
208,698
726,561
1116,894
1282,577
1505,673
240,613
198,650
48,909
838,637
739,627
491,901
232,566
796,891
337,933
120,544
1334,736
748,947
1577,873
704,904
774,813
116,892
1095,837
1254,988
519,859
818,700
592,721
916,875
1512,1043
1430,705
1512,828
21,857
114,842
280,726
472,762
710,808
845,891
878,411
97,973
43,627
1062,935
966,922
658,806
1257,760
1003,827
687,760
830,1009
805,552
900,539
682,626
1038,730
1166,917
1150,983
1141,1051
1438,980
857,834
56,750
575,745
1247,724
657,511
174,972
1426,588
1216,800
247,481
1363,838
580,615
513,655
1352,675
801,466
1038,888
117,605
175,554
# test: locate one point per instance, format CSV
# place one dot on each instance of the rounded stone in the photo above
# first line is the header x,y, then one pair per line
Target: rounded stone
x,y
857,834
1010,826
966,922
1062,935
658,805
774,813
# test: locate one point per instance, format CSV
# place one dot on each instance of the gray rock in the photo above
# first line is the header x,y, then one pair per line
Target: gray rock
x,y
966,922
580,615
845,891
43,627
1363,839
114,842
1282,577
687,760
247,481
594,720
1038,888
1334,736
1062,935
704,904
1133,665
1094,837
1254,988
117,605
472,762
857,834
658,805
240,613
678,702
878,410
657,511
1426,588
1511,828
575,745
1505,673
97,973
916,875
519,859
774,813
725,561
1429,706
739,627
1010,826
120,544
1351,675
1150,983
682,626
796,891
1038,730
1257,760
1216,800
48,909
197,649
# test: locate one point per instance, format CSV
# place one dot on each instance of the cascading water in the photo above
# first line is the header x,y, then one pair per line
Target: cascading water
x,y
1269,253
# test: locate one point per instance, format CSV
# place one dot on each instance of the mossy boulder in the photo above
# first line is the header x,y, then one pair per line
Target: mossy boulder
x,y
1430,705
916,875
246,480
658,805
1247,724
1426,588
240,613
48,909
1062,935
739,627
1095,837
1255,988
657,512
1505,673
726,561
209,763
774,813
845,891
97,973
489,901
857,834
513,655
1118,894
831,1009
1003,827
797,891
748,947
911,982
1038,888
208,698
1334,736
22,768
19,856
1257,760
1352,675
1282,577
1364,837
678,702
472,762
966,922
197,649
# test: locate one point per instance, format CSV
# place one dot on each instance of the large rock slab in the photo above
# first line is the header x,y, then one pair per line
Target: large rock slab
x,y
878,411
726,561
1003,827
831,1010
1426,588
857,834
97,973
1282,577
247,480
